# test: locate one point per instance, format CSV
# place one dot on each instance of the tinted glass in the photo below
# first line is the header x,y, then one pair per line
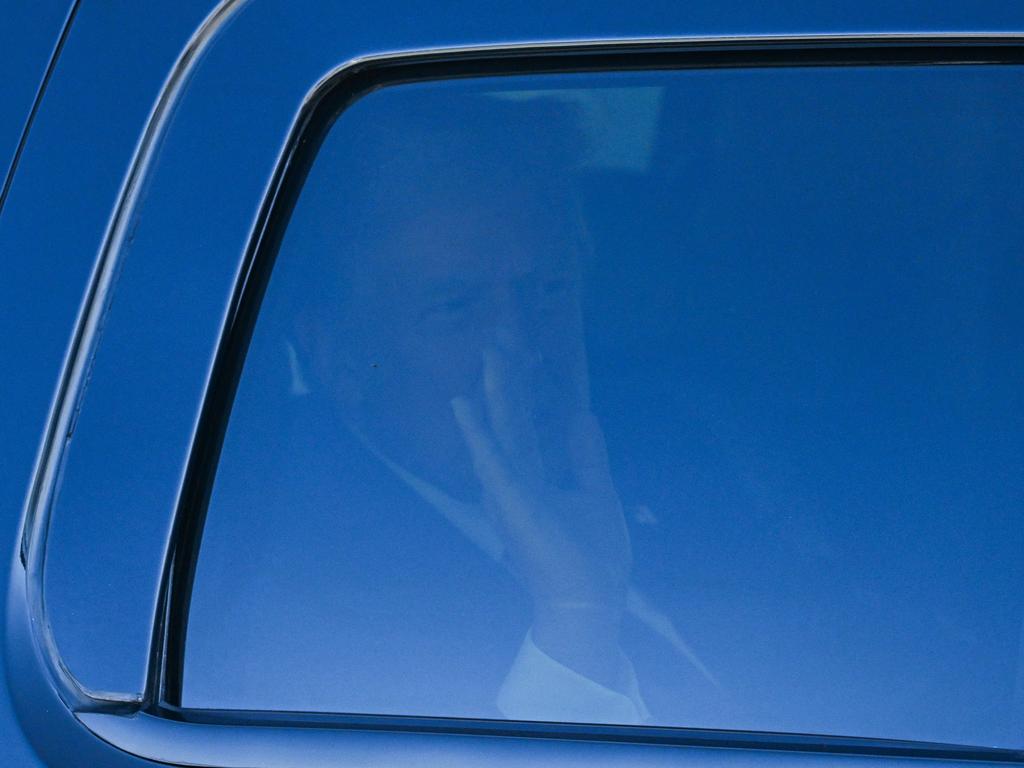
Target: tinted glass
x,y
676,398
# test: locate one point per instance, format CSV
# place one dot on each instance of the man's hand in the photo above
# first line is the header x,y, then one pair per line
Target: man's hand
x,y
569,545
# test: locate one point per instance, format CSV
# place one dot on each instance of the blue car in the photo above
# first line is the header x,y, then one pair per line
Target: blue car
x,y
577,384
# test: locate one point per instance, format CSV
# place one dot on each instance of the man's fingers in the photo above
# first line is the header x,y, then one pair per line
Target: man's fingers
x,y
496,478
487,461
508,407
589,453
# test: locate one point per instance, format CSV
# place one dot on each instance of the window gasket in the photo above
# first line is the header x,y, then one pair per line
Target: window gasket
x,y
325,103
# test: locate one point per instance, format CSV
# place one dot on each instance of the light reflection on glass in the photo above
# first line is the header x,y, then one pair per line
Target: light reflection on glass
x,y
676,398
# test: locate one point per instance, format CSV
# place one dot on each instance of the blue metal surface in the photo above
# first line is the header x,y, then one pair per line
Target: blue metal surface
x,y
96,105
182,247
29,39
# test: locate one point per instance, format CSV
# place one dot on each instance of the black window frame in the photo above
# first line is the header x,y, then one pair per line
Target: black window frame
x,y
326,103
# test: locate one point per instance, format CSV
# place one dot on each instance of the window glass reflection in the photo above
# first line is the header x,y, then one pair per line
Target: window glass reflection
x,y
675,398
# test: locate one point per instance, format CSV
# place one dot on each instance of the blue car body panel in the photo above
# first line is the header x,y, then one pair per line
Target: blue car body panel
x,y
29,39
166,206
73,162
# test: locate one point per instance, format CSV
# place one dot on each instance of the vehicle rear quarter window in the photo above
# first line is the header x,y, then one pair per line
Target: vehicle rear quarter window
x,y
671,398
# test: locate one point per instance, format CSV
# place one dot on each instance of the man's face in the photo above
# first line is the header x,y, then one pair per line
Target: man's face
x,y
442,288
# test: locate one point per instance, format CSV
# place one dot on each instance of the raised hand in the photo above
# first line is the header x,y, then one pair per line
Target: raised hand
x,y
569,545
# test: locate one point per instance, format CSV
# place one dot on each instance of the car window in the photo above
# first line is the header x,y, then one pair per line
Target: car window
x,y
677,398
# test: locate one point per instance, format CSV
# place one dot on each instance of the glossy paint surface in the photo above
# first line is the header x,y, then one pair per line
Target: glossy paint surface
x,y
50,230
28,37
130,443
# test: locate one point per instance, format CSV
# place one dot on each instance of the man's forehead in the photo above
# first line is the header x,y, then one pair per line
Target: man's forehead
x,y
475,241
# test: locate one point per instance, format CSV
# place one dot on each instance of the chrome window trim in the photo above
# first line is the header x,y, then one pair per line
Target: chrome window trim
x,y
74,377
231,743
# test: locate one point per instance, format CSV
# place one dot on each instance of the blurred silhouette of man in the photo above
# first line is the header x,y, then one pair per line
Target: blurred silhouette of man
x,y
451,341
